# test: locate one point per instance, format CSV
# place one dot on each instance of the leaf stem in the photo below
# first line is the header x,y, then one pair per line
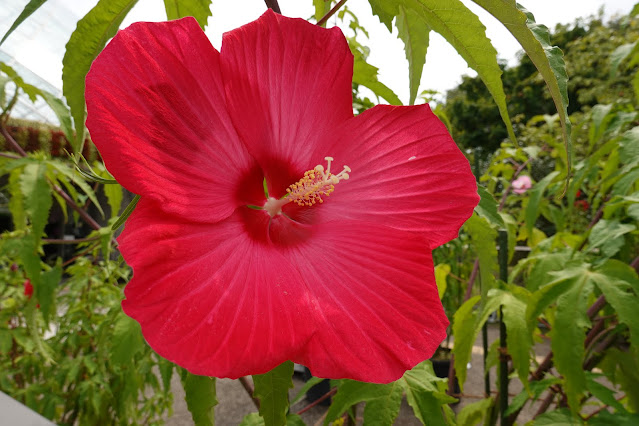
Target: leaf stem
x,y
330,13
12,142
248,386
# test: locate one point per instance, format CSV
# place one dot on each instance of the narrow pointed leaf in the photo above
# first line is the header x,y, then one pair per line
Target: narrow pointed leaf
x,y
366,75
424,396
201,399
535,39
463,330
272,390
126,213
28,10
199,9
45,291
536,194
488,208
88,39
37,196
414,33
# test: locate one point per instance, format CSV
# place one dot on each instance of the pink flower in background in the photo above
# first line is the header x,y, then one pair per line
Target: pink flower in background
x,y
521,184
273,225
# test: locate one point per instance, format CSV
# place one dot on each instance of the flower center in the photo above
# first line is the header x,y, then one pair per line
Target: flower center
x,y
310,189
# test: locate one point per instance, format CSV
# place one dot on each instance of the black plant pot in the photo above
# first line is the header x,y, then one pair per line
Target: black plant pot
x,y
317,391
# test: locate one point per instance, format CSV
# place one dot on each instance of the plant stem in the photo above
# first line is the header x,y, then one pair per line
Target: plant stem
x,y
73,241
12,142
317,401
248,386
330,13
272,4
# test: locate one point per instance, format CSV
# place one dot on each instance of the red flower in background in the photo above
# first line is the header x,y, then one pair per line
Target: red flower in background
x,y
228,282
28,289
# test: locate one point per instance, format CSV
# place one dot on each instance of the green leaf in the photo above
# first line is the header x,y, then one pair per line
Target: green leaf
x,y
31,7
166,372
126,213
272,390
127,340
535,39
254,419
199,9
609,236
488,208
602,392
86,42
536,194
464,332
483,237
366,75
617,57
201,399
413,31
114,197
385,400
424,395
16,200
568,332
37,197
70,173
561,417
61,111
519,340
441,272
475,413
322,7
30,316
45,291
536,389
619,294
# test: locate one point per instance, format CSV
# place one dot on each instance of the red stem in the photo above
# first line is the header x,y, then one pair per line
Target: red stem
x,y
331,13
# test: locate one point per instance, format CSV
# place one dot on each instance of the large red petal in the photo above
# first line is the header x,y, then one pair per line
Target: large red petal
x,y
375,302
216,299
288,82
157,113
407,173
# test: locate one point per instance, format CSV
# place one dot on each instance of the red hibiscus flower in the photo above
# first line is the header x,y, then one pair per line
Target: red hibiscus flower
x,y
249,246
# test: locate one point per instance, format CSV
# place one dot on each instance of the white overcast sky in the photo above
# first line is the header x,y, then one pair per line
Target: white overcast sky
x,y
40,46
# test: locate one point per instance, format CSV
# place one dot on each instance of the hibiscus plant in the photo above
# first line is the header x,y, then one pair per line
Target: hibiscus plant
x,y
251,208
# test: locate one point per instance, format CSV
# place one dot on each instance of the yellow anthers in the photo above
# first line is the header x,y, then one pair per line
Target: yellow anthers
x,y
315,184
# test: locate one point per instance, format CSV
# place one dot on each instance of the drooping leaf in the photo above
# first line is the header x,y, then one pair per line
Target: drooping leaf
x,y
37,197
271,389
31,7
201,399
548,59
413,31
127,340
464,332
536,194
602,392
465,32
199,9
70,173
86,42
